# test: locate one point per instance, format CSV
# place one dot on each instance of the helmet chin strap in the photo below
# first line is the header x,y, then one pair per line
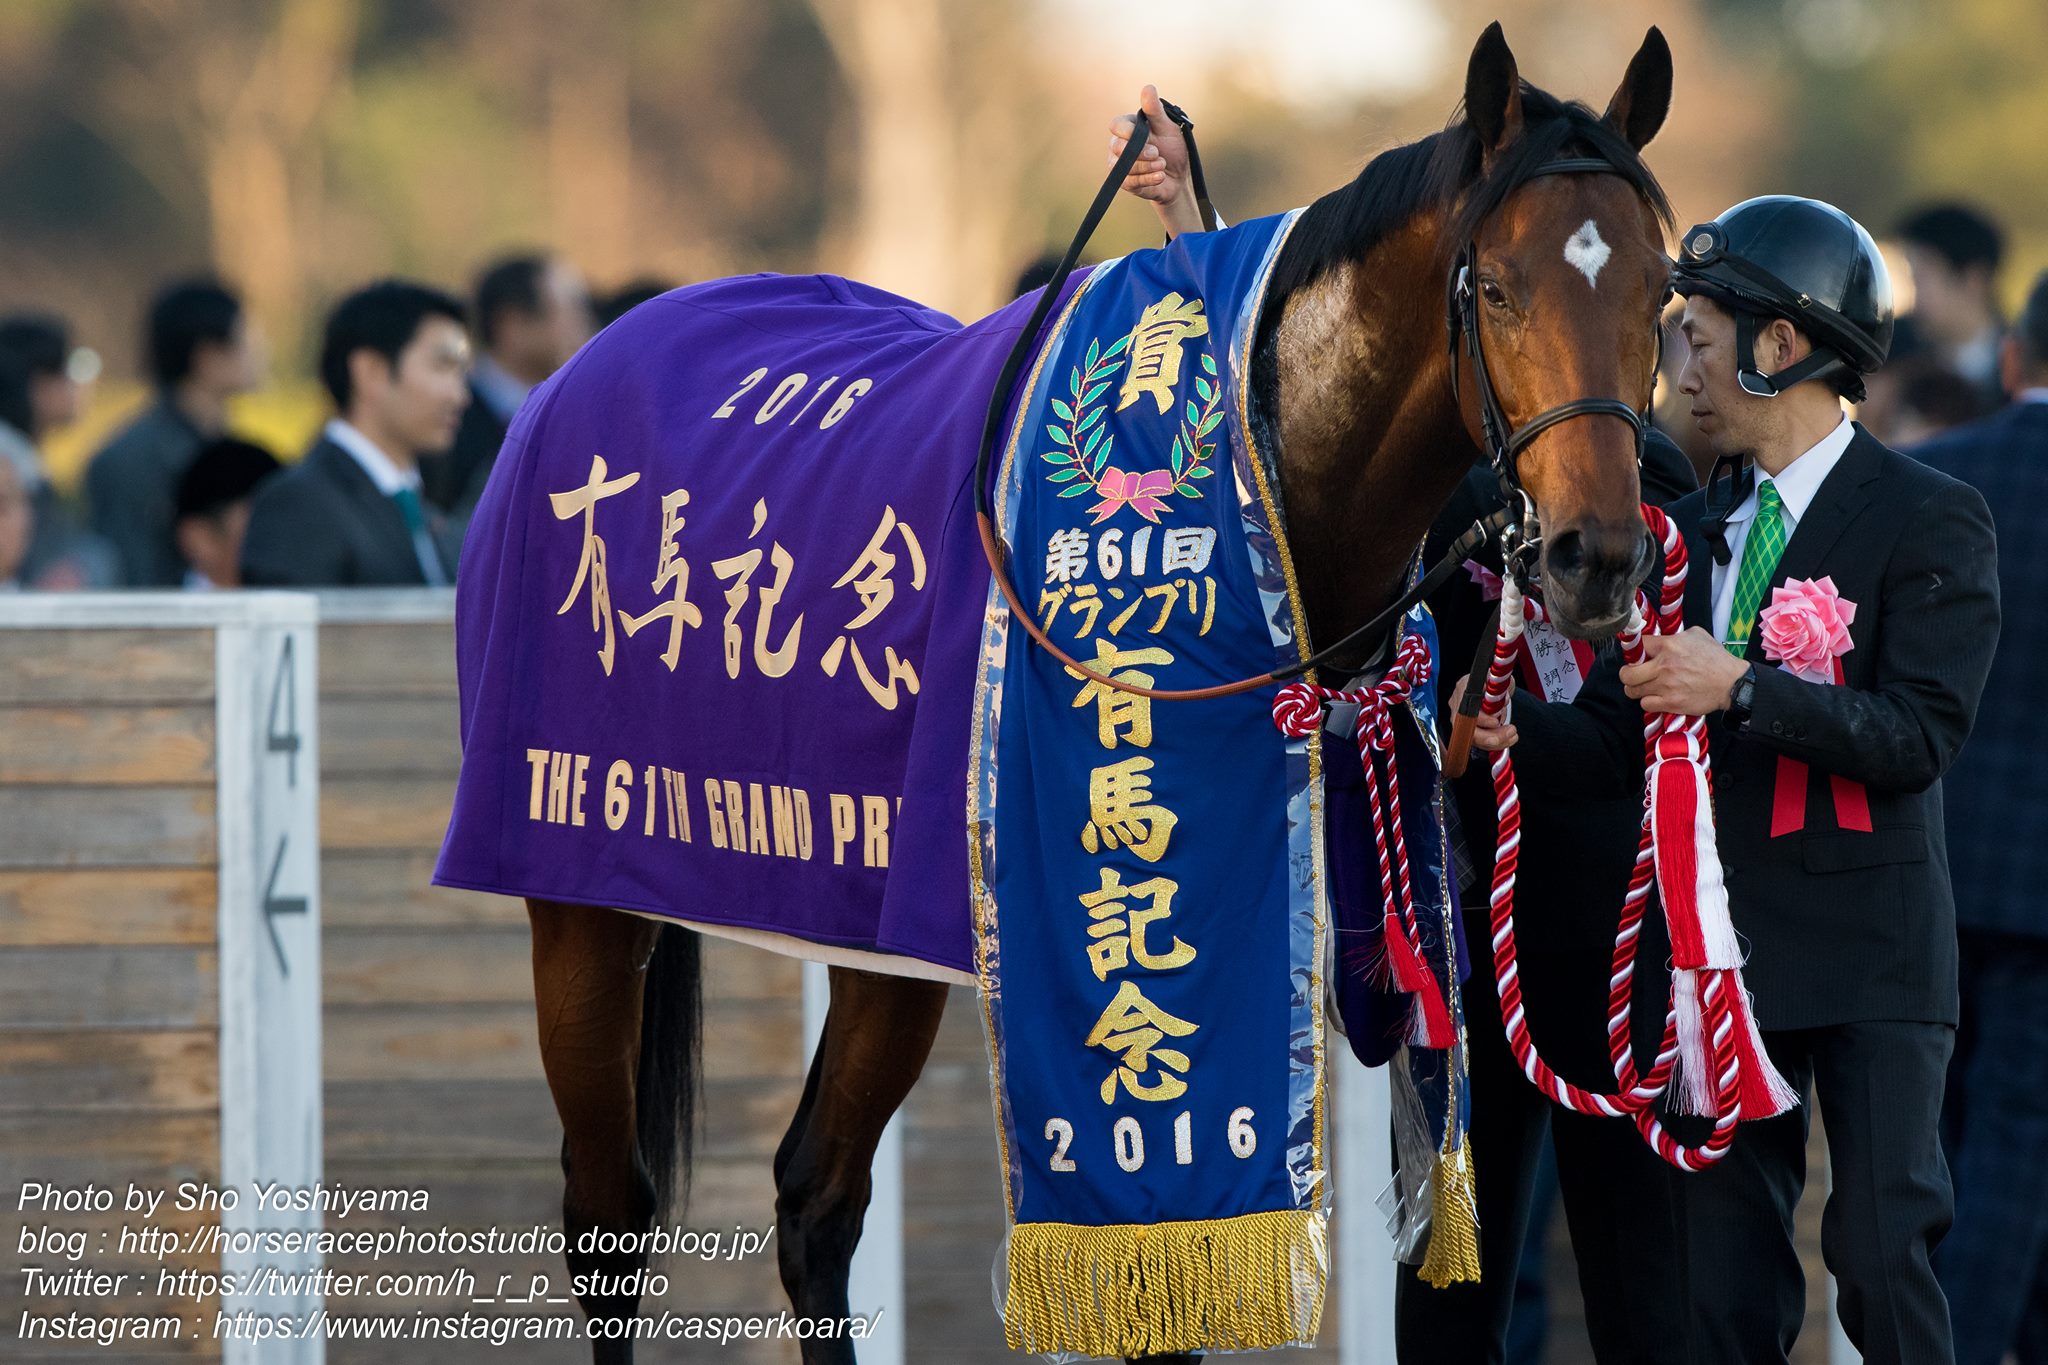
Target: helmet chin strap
x,y
1729,483
1820,363
1734,476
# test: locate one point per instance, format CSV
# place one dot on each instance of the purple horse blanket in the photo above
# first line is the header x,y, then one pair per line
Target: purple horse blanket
x,y
718,619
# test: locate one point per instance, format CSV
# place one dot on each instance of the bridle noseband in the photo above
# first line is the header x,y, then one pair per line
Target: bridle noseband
x,y
1504,441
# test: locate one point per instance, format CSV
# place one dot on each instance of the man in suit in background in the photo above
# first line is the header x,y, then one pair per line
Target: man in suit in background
x,y
532,313
1826,793
395,358
1994,1265
203,350
1954,252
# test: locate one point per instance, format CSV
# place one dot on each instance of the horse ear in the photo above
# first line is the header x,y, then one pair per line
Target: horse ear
x,y
1644,96
1493,91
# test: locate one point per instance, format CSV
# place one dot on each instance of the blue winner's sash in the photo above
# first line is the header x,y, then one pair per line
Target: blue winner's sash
x,y
1149,923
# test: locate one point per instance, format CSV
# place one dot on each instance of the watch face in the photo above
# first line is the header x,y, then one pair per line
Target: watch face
x,y
1739,697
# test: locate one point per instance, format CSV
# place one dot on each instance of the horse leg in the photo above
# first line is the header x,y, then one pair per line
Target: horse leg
x,y
589,970
876,1038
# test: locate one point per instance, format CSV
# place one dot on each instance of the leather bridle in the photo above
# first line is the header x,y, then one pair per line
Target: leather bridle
x,y
1502,441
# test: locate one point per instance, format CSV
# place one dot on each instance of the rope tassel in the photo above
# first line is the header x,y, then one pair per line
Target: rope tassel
x,y
1765,1092
1681,814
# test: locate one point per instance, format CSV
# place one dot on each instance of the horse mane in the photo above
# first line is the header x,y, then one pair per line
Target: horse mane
x,y
1446,172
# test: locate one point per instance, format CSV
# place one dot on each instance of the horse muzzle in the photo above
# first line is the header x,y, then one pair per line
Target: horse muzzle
x,y
1590,576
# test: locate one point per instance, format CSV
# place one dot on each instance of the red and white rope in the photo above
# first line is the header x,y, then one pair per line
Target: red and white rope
x,y
1707,1023
1298,711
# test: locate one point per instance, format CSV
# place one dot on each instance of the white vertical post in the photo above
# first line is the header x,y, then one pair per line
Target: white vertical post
x,y
267,790
1364,1251
876,1283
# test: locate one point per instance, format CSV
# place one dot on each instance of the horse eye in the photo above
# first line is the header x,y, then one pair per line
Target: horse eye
x,y
1491,292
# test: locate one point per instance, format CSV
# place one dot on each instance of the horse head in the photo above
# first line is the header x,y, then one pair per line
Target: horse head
x,y
1494,287
1554,316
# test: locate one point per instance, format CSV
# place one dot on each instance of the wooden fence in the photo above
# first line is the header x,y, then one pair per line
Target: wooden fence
x,y
159,959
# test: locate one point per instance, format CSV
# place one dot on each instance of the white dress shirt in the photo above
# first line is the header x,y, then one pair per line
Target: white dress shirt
x,y
1797,483
382,469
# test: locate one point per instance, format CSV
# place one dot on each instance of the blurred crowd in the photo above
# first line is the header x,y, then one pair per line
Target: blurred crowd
x,y
422,384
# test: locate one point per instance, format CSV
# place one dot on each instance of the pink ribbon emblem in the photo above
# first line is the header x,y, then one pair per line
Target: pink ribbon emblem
x,y
1144,493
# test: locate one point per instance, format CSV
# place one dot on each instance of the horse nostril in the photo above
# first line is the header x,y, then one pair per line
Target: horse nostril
x,y
1568,555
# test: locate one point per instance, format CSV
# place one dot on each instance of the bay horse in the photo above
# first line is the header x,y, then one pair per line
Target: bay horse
x,y
1538,222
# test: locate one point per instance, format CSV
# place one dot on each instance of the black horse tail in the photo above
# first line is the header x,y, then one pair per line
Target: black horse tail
x,y
671,1060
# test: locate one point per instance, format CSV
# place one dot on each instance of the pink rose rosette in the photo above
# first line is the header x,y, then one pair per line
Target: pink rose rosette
x,y
1806,631
1806,628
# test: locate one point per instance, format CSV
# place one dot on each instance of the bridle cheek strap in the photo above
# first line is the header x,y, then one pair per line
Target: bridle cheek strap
x,y
1503,441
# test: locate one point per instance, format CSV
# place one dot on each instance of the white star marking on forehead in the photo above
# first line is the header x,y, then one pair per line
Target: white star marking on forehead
x,y
1585,251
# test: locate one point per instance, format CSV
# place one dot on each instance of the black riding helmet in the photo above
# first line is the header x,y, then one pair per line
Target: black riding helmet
x,y
1798,259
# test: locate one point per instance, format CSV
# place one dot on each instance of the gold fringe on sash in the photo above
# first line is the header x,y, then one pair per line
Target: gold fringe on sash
x,y
1453,1256
1138,1289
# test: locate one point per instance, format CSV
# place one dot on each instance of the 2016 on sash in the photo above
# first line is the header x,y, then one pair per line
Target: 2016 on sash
x,y
1127,1137
787,388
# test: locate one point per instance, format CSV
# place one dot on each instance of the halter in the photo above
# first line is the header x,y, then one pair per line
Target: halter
x,y
1505,442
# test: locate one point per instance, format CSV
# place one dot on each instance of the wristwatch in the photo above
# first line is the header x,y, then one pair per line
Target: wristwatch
x,y
1740,697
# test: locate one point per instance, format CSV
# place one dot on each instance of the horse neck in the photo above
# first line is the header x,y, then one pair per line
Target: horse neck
x,y
1371,443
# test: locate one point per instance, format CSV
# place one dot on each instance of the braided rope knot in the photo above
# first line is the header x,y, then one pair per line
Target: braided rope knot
x,y
1298,708
1298,711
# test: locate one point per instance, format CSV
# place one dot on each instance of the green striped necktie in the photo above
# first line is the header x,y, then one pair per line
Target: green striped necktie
x,y
1760,551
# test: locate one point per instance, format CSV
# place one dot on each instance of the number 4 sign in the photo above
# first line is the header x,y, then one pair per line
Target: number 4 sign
x,y
267,794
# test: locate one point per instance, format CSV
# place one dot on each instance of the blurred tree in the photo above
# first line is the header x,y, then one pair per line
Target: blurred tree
x,y
235,98
939,94
1897,101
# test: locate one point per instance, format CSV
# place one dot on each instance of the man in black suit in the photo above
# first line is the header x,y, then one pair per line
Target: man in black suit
x,y
396,360
1827,795
1994,1265
532,313
204,349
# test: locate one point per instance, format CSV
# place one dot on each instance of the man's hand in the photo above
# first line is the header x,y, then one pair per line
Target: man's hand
x,y
1161,174
1493,732
1688,674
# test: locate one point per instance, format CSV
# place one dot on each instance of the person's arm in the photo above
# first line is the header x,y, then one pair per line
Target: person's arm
x,y
1935,640
1591,746
1161,176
